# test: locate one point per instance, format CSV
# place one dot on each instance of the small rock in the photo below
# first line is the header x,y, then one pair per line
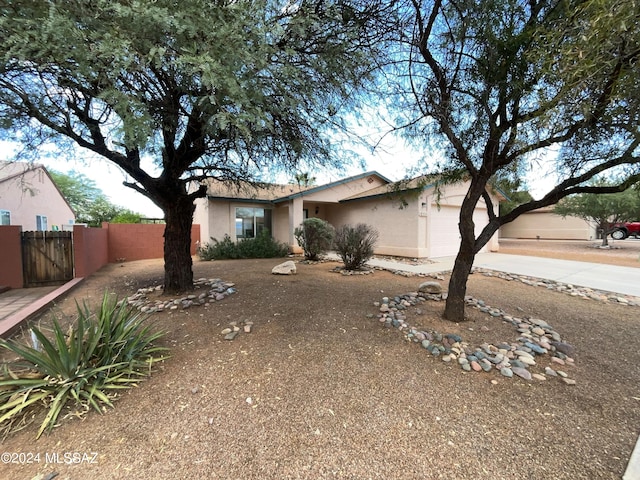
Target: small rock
x,y
522,372
286,268
538,376
230,336
430,287
563,347
507,372
226,331
569,381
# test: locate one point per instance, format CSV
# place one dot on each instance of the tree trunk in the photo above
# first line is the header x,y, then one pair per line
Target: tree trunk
x,y
178,273
605,233
454,309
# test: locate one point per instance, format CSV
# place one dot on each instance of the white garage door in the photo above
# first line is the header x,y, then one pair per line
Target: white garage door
x,y
444,236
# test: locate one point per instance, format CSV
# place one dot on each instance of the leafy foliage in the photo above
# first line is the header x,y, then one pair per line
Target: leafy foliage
x,y
224,89
103,352
89,203
602,210
126,216
505,85
315,236
262,246
355,244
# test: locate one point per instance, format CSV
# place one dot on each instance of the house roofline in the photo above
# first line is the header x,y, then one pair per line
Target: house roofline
x,y
32,168
241,200
389,194
331,185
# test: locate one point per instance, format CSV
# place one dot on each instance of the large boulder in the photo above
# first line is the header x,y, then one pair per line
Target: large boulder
x,y
430,287
286,268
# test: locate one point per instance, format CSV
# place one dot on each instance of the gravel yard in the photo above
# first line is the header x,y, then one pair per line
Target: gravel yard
x,y
321,389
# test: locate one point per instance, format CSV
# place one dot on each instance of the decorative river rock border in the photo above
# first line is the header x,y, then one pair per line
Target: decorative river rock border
x,y
536,338
217,290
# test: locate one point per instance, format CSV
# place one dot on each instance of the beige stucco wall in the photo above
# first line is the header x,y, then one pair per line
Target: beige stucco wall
x,y
34,193
546,225
399,228
405,227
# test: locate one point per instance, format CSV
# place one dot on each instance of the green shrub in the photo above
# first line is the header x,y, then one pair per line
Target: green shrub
x,y
84,368
216,250
315,236
263,246
355,244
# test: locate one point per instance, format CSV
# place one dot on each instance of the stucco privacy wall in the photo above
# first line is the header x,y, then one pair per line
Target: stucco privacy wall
x,y
545,225
138,241
34,193
11,256
90,250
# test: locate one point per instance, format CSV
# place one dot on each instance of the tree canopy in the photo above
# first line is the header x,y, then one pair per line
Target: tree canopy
x,y
500,84
602,210
221,89
88,202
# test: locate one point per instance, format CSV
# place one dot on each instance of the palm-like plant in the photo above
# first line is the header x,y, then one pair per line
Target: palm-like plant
x,y
103,352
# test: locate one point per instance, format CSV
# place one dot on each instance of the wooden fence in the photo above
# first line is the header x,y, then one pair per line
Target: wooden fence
x,y
47,258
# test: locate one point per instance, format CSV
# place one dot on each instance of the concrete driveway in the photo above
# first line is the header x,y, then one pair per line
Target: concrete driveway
x,y
609,278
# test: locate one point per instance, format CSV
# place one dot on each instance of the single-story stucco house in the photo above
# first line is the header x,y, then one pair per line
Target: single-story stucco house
x,y
545,225
412,220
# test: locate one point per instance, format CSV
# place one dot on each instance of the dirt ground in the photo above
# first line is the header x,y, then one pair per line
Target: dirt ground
x,y
319,390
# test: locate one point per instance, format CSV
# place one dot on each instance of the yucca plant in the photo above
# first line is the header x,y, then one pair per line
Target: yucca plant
x,y
104,351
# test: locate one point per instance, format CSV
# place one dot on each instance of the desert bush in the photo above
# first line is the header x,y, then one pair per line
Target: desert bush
x,y
263,246
355,245
219,250
315,236
103,352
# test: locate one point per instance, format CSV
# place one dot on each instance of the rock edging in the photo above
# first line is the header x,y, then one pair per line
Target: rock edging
x,y
536,338
217,290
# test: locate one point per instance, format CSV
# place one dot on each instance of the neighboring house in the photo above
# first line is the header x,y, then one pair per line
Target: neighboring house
x,y
30,198
412,220
546,225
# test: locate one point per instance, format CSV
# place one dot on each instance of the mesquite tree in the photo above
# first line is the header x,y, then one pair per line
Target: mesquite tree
x,y
223,88
501,83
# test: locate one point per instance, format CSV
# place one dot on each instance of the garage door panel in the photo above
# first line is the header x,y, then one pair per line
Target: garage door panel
x,y
444,235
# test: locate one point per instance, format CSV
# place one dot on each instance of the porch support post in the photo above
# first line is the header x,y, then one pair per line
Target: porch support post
x,y
296,216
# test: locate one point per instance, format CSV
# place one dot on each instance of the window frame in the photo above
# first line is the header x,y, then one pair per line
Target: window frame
x,y
5,214
42,221
257,222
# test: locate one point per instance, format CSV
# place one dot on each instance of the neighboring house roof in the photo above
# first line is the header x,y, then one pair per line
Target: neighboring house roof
x,y
11,170
15,170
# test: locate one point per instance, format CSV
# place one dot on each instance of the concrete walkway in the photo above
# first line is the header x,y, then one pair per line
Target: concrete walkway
x,y
19,304
609,278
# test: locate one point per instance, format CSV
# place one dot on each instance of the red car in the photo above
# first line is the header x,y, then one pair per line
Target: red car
x,y
620,231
